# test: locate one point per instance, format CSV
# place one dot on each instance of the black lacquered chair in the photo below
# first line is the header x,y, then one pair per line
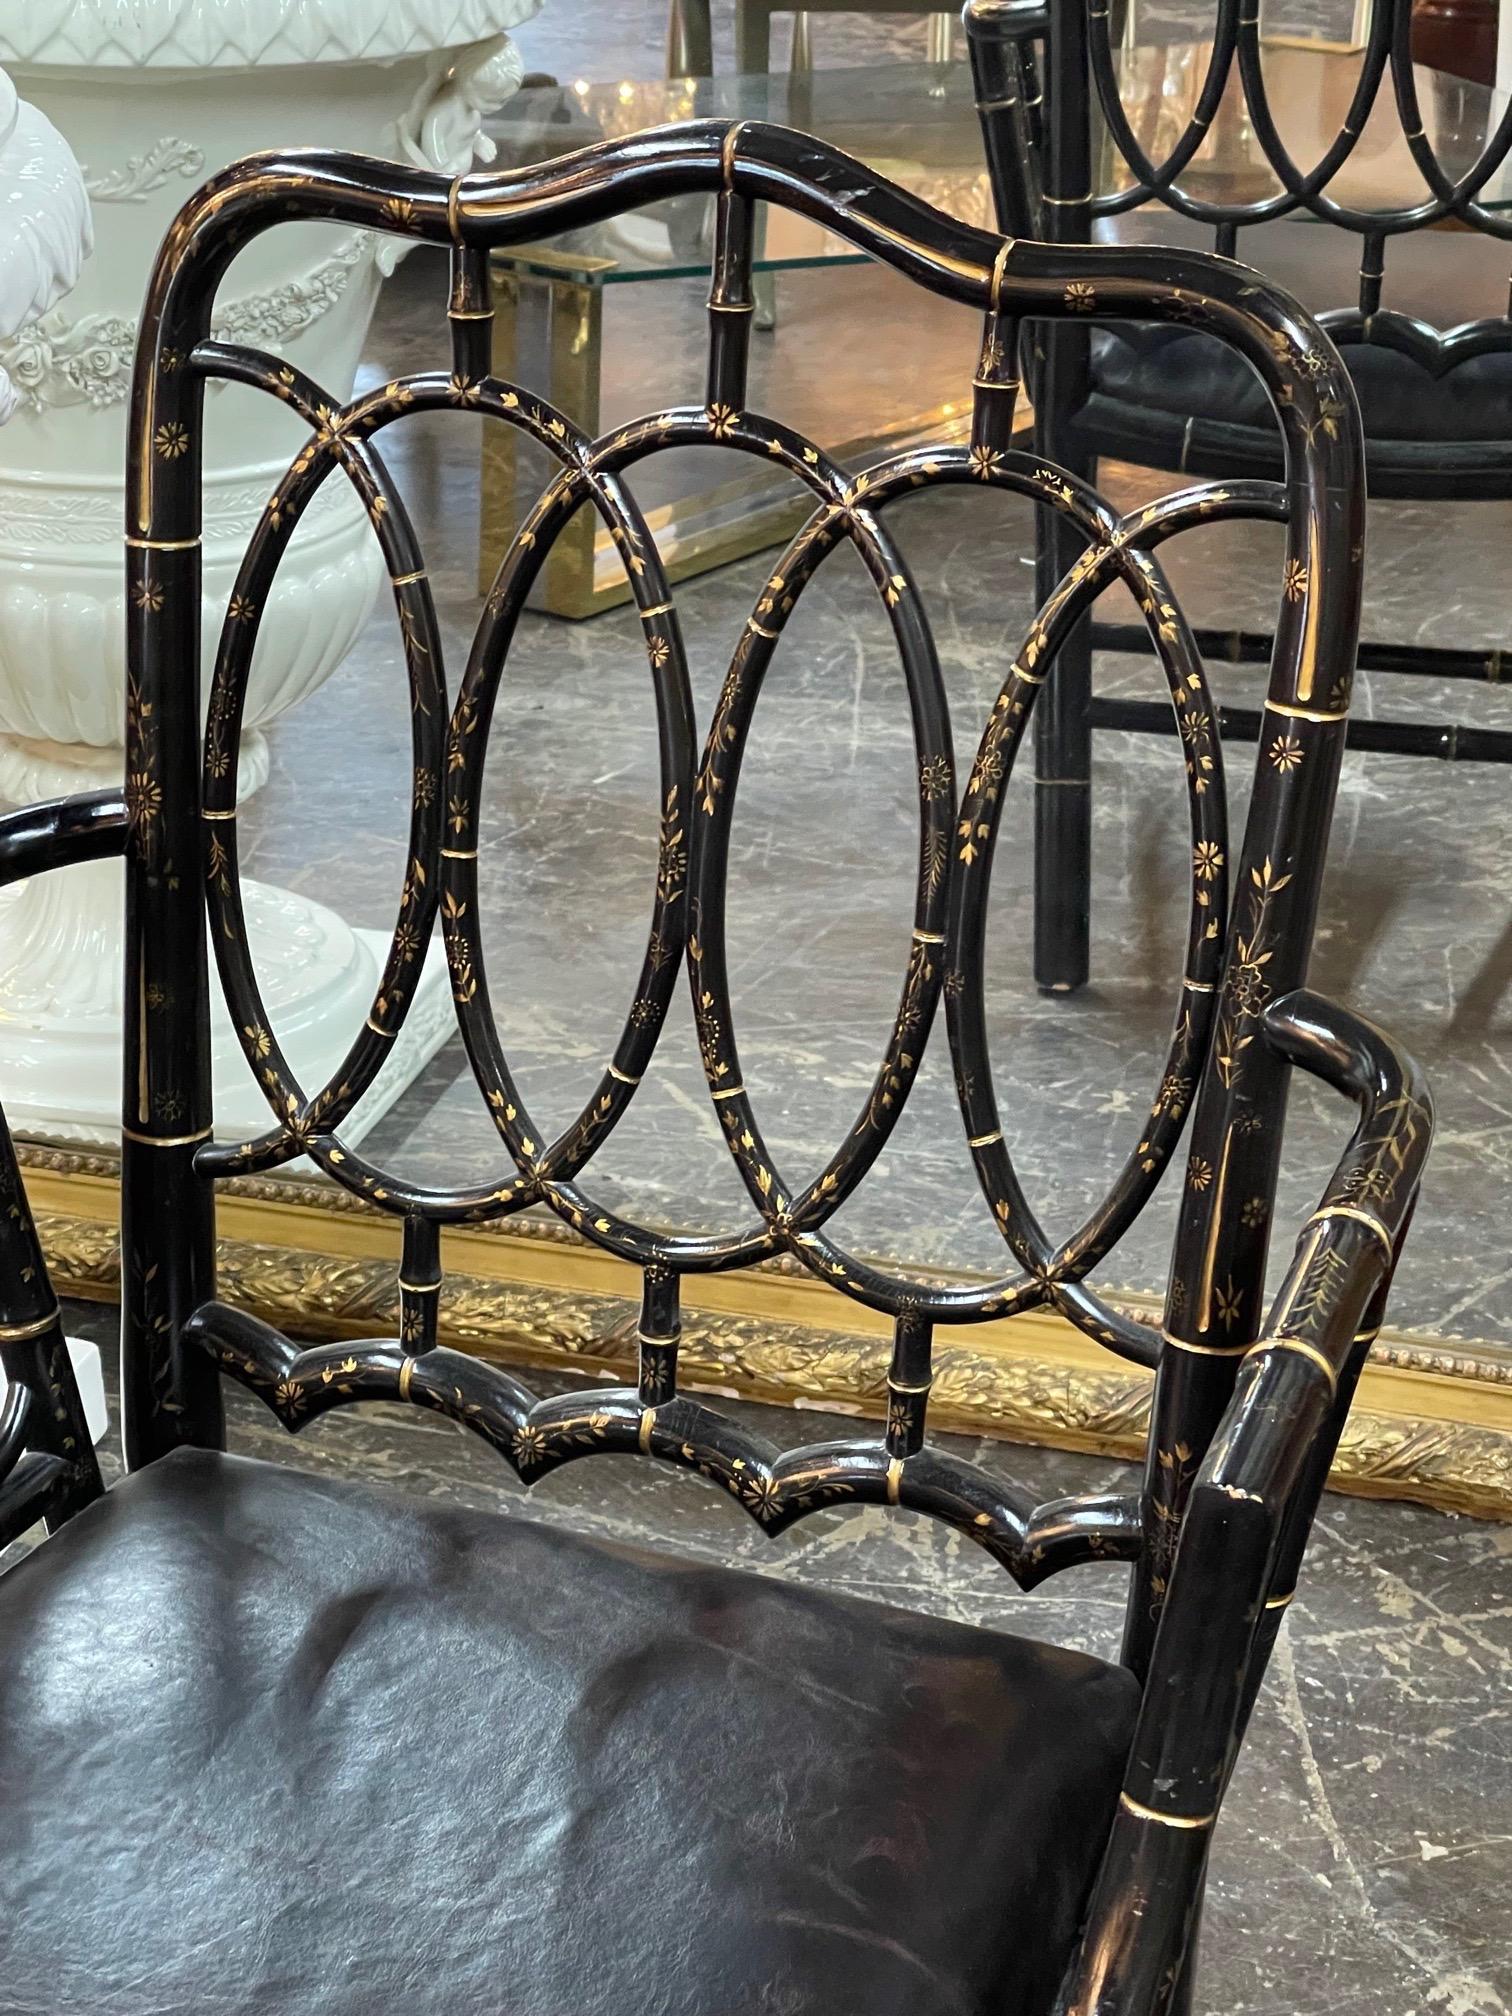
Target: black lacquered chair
x,y
1436,402
298,1745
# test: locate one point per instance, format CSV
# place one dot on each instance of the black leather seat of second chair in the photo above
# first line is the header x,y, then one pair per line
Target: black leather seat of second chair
x,y
270,1742
1436,424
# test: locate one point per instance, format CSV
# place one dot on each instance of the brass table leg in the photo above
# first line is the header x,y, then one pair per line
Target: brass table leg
x,y
548,337
548,333
690,39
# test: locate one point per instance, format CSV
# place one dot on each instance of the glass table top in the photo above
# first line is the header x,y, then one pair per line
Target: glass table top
x,y
916,123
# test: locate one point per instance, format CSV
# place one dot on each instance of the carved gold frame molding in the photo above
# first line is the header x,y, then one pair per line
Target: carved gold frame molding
x,y
1433,1421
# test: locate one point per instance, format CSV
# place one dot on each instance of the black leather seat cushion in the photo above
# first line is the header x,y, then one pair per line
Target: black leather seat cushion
x,y
1178,399
272,1742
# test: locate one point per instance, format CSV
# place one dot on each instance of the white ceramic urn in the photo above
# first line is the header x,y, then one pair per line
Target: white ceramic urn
x,y
153,96
44,240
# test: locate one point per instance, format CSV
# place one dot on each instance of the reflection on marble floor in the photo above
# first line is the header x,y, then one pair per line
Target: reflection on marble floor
x,y
1416,927
1363,1866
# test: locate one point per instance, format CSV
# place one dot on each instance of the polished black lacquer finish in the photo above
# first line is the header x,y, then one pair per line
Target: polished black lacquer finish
x,y
1249,1404
444,1763
1437,402
47,1460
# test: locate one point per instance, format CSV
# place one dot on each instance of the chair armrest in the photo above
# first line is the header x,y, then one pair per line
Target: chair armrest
x,y
60,832
1249,1513
1253,1499
1330,1303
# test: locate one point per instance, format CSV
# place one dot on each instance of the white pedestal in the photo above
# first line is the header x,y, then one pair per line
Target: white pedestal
x,y
60,1033
91,1382
154,97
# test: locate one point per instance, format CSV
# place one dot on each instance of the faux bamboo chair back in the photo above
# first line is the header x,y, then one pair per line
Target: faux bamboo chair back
x,y
1247,1408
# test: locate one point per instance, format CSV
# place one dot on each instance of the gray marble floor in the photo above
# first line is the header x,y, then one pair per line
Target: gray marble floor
x,y
1363,1866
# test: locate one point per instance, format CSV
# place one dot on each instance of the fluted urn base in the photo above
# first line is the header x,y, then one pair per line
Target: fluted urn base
x,y
61,963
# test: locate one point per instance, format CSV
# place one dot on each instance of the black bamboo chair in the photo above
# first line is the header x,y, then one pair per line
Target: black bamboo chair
x,y
292,1744
1436,403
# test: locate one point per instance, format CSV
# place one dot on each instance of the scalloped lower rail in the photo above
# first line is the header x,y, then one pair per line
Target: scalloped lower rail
x,y
536,1436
